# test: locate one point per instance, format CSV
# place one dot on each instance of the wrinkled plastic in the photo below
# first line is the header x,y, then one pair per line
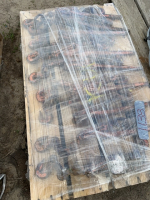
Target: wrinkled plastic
x,y
3,179
82,77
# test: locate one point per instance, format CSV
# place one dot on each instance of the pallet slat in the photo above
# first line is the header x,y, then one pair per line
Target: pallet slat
x,y
144,7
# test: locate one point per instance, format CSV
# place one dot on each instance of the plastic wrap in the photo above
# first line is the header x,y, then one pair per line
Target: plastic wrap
x,y
82,78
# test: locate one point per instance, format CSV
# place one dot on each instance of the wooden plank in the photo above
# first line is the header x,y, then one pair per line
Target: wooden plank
x,y
144,8
137,27
81,185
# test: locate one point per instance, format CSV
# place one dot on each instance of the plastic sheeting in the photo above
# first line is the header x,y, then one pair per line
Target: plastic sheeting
x,y
83,77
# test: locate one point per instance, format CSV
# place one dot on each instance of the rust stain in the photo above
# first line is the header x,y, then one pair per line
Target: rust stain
x,y
143,60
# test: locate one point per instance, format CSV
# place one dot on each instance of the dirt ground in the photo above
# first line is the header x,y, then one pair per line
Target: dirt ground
x,y
13,144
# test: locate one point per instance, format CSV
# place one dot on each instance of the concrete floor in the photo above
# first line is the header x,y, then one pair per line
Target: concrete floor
x,y
13,145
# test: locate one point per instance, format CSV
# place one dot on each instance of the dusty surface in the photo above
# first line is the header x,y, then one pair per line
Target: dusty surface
x,y
13,146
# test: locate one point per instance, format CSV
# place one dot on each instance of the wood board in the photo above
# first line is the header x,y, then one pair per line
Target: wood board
x,y
144,8
46,189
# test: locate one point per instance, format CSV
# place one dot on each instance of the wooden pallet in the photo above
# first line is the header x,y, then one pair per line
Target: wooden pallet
x,y
51,187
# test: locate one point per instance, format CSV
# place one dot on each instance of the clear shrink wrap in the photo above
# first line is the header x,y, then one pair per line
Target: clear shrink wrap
x,y
86,92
